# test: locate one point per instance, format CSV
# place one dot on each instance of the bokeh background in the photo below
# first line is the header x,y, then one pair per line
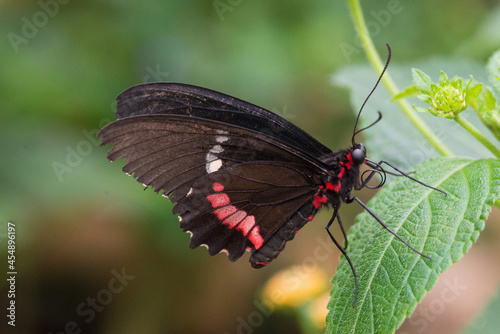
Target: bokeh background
x,y
97,254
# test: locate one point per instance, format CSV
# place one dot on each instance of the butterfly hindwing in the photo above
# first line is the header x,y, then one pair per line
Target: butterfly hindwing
x,y
242,207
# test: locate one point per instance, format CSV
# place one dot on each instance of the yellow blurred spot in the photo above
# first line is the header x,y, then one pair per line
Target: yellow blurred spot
x,y
317,311
294,286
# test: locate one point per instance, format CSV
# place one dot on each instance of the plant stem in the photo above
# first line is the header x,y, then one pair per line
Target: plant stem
x,y
478,135
377,63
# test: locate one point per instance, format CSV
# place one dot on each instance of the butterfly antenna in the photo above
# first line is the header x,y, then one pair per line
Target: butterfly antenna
x,y
354,132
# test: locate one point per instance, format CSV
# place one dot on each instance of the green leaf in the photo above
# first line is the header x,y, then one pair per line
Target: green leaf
x,y
473,93
422,81
487,100
443,78
392,278
408,92
494,71
420,109
487,108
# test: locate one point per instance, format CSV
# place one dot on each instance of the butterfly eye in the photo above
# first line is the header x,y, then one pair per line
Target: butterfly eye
x,y
359,155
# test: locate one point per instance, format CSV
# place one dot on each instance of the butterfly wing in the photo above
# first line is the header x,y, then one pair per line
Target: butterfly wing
x,y
236,189
182,99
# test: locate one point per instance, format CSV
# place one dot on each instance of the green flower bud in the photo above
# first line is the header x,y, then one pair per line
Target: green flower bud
x,y
447,99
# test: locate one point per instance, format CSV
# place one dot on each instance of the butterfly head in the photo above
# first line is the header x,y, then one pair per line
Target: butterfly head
x,y
358,154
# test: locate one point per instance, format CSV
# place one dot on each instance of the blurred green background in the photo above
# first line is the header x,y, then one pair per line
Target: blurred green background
x,y
81,222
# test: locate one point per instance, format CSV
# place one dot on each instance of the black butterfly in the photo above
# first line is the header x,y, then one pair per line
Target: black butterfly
x,y
243,178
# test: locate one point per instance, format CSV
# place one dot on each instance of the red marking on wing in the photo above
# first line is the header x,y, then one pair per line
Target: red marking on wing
x,y
310,218
262,263
246,225
218,200
235,218
256,238
225,211
218,187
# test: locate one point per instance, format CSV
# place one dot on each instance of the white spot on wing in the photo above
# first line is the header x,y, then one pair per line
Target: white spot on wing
x,y
210,157
214,166
180,219
217,149
189,192
221,139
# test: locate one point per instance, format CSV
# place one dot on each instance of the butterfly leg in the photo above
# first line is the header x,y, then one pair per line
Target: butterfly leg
x,y
342,229
372,164
401,172
342,249
385,226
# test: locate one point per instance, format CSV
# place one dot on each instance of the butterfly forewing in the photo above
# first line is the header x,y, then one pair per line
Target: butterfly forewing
x,y
169,152
181,99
